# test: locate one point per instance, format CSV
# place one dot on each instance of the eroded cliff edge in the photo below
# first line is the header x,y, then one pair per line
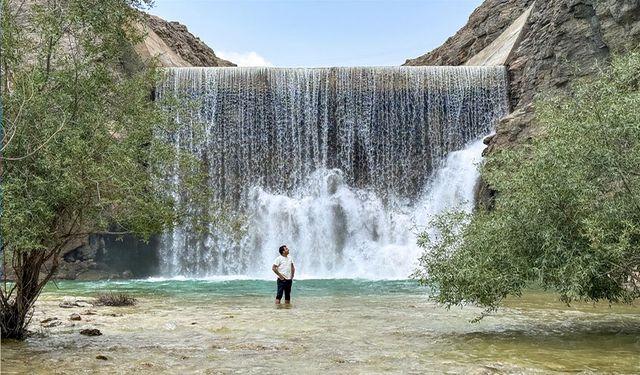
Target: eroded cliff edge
x,y
174,46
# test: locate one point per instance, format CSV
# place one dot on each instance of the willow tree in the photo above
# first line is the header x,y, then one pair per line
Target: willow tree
x,y
79,154
567,215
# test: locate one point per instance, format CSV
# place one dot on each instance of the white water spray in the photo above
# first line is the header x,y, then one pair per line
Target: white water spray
x,y
335,231
344,165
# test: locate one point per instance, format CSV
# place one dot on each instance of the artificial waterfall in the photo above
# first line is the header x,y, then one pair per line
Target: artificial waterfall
x,y
344,165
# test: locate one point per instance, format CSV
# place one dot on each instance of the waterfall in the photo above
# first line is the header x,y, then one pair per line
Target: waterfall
x,y
341,164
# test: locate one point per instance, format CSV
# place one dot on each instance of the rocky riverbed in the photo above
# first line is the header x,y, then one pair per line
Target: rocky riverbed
x,y
333,327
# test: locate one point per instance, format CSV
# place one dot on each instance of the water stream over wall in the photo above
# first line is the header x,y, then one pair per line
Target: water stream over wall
x,y
345,165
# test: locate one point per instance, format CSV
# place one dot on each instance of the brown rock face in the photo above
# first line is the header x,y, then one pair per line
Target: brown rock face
x,y
563,40
512,130
567,40
187,46
485,24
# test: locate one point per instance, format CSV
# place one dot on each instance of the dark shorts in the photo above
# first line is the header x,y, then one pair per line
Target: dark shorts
x,y
284,286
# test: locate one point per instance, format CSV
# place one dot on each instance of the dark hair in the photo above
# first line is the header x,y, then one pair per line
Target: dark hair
x,y
281,249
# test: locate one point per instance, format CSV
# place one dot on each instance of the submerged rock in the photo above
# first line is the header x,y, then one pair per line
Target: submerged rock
x,y
51,322
75,316
69,302
91,332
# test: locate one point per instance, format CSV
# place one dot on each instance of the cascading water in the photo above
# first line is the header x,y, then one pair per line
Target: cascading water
x,y
342,164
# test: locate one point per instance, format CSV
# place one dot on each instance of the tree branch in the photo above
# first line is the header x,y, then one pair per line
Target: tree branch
x,y
64,121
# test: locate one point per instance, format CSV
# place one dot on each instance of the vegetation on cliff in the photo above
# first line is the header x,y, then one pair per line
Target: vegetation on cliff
x,y
567,215
79,151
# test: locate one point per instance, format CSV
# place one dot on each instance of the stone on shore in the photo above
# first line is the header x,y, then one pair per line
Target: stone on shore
x,y
91,332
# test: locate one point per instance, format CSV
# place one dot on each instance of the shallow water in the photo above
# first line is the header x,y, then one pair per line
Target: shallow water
x,y
332,327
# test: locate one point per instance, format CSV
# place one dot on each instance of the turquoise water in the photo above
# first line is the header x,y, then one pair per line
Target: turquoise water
x,y
332,327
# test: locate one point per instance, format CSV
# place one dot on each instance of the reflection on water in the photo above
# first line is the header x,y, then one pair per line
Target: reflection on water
x,y
332,327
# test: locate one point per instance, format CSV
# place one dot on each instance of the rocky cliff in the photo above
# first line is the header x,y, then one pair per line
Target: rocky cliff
x,y
561,40
485,24
174,45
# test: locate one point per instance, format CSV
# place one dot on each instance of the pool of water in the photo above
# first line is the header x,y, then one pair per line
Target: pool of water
x,y
230,326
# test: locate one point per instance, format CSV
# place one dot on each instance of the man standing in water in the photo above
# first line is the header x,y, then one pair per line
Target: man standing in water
x,y
284,268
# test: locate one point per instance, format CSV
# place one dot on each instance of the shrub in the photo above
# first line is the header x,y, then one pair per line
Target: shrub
x,y
115,299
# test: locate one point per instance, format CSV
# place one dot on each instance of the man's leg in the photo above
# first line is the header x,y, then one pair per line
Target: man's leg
x,y
287,291
280,289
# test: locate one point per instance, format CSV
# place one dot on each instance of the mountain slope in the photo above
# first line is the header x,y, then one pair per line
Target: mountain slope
x,y
176,46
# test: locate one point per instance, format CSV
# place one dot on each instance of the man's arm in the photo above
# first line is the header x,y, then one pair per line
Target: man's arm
x,y
293,270
274,268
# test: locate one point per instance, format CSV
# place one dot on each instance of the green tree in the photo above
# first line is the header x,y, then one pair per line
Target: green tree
x,y
78,153
567,214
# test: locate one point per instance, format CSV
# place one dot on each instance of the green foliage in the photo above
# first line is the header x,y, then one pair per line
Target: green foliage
x,y
567,216
80,151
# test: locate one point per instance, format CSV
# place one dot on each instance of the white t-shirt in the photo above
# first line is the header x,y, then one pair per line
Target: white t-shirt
x,y
284,265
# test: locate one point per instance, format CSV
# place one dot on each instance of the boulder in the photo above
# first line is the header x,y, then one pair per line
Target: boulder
x,y
69,302
91,332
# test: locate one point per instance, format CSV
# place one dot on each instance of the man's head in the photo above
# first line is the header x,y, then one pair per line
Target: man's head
x,y
284,250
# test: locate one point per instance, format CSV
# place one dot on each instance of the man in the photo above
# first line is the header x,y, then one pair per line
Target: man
x,y
284,268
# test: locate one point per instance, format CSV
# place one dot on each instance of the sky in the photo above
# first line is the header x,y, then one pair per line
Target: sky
x,y
319,33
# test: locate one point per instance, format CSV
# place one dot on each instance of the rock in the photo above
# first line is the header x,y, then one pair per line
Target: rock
x,y
51,322
127,274
102,357
187,46
91,332
485,24
83,249
75,316
514,129
561,42
69,302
